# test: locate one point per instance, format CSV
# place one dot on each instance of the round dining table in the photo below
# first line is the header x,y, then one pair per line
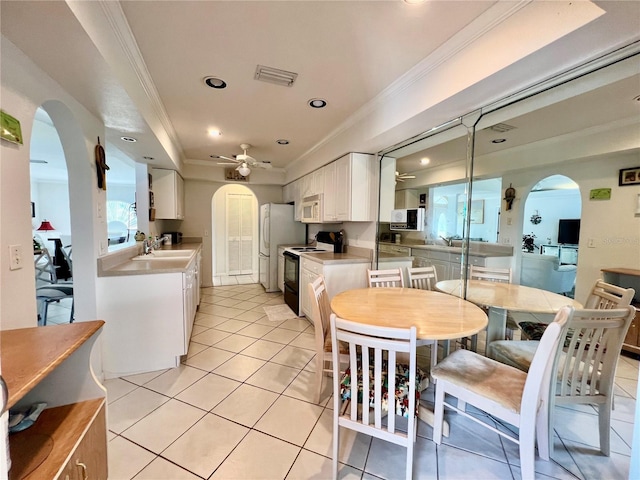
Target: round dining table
x,y
499,298
436,316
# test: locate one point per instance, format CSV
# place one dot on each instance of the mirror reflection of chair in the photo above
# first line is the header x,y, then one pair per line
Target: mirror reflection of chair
x,y
53,293
385,278
45,269
425,278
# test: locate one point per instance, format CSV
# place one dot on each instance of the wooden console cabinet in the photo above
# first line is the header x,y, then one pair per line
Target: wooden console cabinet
x,y
52,364
628,278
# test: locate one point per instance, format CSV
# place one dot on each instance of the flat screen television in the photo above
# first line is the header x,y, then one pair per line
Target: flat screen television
x,y
569,231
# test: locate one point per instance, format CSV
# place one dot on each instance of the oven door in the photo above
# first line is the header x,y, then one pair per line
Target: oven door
x,y
291,271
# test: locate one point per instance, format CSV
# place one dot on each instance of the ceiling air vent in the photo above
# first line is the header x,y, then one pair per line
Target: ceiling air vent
x,y
275,75
500,127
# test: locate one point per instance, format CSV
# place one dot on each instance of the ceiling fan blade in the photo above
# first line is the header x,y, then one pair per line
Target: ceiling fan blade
x,y
227,163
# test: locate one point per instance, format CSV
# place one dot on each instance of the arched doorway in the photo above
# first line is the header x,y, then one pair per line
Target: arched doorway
x,y
234,249
82,197
550,235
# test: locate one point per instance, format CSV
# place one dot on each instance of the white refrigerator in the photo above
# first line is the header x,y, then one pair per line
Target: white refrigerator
x,y
285,231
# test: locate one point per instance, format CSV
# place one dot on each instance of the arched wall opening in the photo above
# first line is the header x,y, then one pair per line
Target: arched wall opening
x,y
234,233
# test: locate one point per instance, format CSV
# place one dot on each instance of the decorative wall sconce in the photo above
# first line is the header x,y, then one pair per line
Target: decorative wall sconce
x,y
536,218
510,196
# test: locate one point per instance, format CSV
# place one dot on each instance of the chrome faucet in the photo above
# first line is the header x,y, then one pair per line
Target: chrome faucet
x,y
449,241
150,244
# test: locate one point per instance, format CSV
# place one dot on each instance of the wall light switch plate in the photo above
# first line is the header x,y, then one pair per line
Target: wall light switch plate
x,y
591,243
15,257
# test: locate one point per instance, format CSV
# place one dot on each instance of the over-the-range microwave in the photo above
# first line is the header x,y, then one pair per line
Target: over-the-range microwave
x,y
411,219
312,209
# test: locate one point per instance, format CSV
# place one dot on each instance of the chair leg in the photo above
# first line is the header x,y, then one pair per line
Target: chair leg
x,y
44,312
335,447
319,377
71,319
434,353
542,432
410,445
439,413
527,439
604,424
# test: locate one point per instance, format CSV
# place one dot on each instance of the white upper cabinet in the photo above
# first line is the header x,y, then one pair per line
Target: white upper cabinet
x,y
356,188
329,197
168,188
387,188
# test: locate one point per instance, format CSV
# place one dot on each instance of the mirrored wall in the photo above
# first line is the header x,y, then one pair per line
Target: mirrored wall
x,y
506,182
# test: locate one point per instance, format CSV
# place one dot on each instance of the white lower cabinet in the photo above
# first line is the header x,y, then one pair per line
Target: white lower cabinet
x,y
149,320
448,265
338,277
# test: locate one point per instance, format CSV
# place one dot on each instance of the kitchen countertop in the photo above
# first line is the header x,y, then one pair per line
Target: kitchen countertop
x,y
477,249
121,264
330,258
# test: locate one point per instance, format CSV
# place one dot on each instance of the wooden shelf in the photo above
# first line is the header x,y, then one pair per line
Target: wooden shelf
x,y
52,364
30,354
42,450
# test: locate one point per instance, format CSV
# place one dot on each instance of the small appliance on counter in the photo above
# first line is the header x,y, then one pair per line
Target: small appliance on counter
x,y
176,237
335,239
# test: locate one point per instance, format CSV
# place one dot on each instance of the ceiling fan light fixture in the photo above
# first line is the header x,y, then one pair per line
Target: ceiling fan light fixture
x,y
244,170
215,82
317,103
275,75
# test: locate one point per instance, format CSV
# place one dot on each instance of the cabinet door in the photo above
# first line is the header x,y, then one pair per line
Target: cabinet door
x,y
281,272
329,197
343,188
318,182
443,269
297,199
179,197
306,277
89,460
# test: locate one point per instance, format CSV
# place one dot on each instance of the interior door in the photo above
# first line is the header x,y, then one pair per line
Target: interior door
x,y
239,234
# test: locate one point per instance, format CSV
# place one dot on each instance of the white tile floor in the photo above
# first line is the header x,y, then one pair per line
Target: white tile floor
x,y
240,407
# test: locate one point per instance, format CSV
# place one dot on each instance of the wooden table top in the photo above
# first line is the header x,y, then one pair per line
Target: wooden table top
x,y
517,298
437,316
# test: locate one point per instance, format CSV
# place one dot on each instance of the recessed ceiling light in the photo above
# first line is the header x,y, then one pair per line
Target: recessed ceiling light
x,y
317,103
215,82
282,141
424,161
499,140
637,99
214,133
128,139
148,158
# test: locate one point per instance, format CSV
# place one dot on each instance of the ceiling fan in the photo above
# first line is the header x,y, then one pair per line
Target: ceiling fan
x,y
244,161
401,177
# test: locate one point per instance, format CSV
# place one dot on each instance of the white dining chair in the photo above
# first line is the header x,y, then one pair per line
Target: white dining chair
x,y
362,399
321,312
490,274
503,392
603,296
385,278
425,278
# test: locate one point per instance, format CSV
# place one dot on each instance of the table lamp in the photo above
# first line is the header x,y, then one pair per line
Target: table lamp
x,y
45,226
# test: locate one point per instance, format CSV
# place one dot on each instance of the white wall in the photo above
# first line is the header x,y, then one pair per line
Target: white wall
x,y
551,205
25,88
198,214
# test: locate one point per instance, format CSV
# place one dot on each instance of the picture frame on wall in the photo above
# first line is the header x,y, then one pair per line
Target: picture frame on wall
x,y
629,176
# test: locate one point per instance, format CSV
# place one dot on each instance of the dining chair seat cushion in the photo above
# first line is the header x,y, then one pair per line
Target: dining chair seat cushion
x,y
402,387
533,330
493,380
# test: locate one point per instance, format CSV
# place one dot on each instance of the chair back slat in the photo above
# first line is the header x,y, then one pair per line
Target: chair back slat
x,y
385,278
606,296
375,347
586,366
491,274
424,278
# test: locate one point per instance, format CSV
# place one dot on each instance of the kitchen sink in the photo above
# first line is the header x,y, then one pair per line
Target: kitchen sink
x,y
166,255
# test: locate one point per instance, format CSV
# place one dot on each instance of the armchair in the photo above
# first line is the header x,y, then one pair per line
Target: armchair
x,y
546,273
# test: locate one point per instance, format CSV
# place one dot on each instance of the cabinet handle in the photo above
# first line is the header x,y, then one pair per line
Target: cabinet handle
x,y
84,469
